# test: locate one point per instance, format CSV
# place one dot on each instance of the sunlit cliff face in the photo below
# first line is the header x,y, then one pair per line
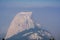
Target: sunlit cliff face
x,y
22,21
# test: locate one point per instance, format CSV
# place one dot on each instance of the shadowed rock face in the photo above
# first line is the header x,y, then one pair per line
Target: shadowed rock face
x,y
39,34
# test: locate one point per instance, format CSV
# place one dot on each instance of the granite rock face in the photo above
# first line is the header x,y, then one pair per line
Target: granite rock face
x,y
21,22
22,27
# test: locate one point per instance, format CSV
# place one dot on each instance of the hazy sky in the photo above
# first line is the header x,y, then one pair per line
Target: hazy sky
x,y
29,3
47,11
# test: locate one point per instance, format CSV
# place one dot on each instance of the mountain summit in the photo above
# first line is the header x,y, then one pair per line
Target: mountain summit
x,y
22,27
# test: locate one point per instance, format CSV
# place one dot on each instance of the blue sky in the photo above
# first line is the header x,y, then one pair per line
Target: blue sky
x,y
47,11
